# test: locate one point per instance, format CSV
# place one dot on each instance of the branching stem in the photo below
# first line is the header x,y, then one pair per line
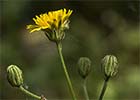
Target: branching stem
x,y
59,47
85,89
30,93
104,88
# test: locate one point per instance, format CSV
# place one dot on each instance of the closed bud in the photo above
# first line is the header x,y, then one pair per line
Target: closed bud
x,y
110,65
14,76
84,67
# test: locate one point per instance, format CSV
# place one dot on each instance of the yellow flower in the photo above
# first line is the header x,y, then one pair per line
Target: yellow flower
x,y
53,23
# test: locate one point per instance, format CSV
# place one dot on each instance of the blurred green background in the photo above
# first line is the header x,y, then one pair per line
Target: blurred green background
x,y
97,28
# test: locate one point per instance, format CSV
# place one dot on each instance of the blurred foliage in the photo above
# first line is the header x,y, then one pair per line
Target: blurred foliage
x,y
97,28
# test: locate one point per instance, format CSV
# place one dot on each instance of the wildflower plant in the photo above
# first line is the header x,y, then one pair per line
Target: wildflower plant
x,y
54,24
15,78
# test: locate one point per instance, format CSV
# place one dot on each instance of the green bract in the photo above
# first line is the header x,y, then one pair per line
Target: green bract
x,y
14,76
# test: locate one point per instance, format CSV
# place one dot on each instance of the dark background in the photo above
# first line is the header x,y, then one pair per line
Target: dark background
x,y
97,28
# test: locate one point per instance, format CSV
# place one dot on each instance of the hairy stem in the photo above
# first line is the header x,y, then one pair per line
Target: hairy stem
x,y
104,88
59,47
85,89
29,93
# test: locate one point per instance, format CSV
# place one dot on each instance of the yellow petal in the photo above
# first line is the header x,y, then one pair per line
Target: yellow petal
x,y
33,28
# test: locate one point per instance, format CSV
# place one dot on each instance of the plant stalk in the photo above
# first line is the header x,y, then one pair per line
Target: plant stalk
x,y
30,93
104,88
59,47
85,89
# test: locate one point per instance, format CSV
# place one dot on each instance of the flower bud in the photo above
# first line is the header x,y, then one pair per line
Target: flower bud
x,y
84,67
110,65
14,76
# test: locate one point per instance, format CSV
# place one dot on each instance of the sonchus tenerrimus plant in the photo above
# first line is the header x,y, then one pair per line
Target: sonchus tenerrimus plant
x,y
54,24
84,68
15,78
109,66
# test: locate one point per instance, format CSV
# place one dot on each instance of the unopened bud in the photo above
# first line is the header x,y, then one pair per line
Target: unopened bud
x,y
14,76
110,65
84,67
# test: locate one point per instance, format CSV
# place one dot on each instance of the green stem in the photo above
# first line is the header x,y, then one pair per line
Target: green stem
x,y
104,88
29,93
85,89
59,47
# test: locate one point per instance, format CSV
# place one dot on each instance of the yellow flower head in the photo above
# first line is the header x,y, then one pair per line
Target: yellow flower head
x,y
53,23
